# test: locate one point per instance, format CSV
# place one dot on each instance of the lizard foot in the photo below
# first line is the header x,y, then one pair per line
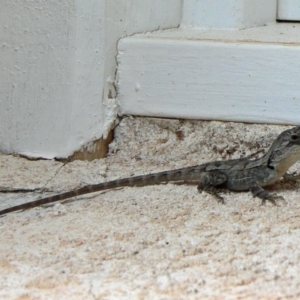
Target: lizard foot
x,y
213,191
209,181
274,199
259,192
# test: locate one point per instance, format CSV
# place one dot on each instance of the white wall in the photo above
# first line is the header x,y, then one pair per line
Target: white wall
x,y
228,14
57,65
246,75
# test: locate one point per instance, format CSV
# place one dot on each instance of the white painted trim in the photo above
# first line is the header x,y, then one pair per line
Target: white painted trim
x,y
249,75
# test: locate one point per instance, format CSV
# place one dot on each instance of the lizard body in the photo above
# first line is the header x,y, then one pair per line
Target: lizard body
x,y
235,175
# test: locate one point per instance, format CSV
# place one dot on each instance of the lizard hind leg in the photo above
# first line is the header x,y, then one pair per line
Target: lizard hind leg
x,y
209,182
259,192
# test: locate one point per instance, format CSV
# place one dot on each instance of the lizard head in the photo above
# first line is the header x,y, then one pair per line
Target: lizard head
x,y
285,151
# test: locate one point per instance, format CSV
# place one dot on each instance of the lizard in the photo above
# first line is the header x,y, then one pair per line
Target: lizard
x,y
238,175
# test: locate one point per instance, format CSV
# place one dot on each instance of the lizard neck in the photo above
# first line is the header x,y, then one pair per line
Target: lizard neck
x,y
282,163
281,155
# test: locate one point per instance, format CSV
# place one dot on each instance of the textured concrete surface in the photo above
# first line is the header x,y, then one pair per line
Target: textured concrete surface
x,y
155,242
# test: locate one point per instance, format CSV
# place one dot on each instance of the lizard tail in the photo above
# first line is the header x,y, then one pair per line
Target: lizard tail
x,y
188,173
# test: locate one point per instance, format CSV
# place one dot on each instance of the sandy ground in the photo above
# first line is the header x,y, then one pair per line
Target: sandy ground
x,y
155,242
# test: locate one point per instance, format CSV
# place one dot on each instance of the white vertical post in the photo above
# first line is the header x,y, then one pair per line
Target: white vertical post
x,y
228,14
288,10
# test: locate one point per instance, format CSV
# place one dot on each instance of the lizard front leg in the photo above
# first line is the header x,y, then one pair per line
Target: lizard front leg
x,y
259,192
209,182
291,177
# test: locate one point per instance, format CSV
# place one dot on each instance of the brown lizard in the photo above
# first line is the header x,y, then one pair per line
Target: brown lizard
x,y
235,175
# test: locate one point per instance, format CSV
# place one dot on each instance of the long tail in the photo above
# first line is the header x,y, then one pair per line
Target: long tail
x,y
184,174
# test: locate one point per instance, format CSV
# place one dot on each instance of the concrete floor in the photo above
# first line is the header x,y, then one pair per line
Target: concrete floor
x,y
155,242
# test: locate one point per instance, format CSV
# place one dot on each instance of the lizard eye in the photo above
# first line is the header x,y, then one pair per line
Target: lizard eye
x,y
294,137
